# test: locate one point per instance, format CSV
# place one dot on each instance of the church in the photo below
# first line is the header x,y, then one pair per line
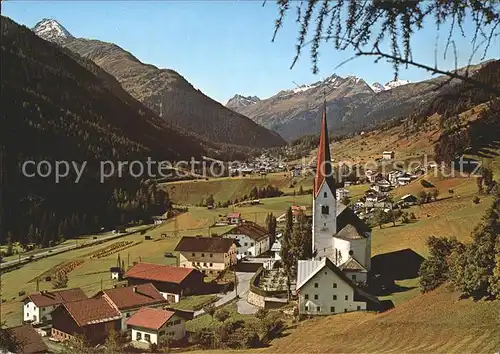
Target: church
x,y
341,244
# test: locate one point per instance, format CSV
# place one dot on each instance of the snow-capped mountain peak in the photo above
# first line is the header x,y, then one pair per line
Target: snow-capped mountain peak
x,y
377,87
51,30
239,101
395,83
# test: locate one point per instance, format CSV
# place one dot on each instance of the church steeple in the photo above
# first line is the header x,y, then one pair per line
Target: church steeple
x,y
323,163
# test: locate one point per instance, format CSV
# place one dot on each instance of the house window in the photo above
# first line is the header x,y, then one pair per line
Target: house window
x,y
345,310
325,210
306,296
359,308
347,297
334,297
161,333
203,254
316,285
138,336
211,255
246,243
354,277
251,243
147,337
204,264
332,309
334,285
128,314
211,264
306,308
318,309
193,254
325,195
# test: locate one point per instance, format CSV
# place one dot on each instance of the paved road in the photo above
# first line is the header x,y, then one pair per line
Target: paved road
x,y
55,250
242,289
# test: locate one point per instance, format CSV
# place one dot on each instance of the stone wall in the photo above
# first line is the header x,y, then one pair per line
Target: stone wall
x,y
255,299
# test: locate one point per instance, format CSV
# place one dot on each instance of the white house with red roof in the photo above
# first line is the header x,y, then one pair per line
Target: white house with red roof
x,y
130,299
37,307
233,218
152,326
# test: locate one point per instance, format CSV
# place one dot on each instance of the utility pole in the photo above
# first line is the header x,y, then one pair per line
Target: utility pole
x,y
101,284
235,284
128,259
37,284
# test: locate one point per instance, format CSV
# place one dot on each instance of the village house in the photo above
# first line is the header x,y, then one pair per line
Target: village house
x,y
388,155
323,289
128,300
116,273
211,255
233,218
404,180
37,307
342,193
29,340
153,326
296,210
382,186
252,239
373,176
276,250
158,220
393,177
171,282
408,200
91,318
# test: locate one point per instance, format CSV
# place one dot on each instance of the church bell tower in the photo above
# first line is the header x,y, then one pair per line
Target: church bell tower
x,y
324,199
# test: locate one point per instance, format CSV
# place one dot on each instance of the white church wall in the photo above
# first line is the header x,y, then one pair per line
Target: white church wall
x,y
324,225
360,249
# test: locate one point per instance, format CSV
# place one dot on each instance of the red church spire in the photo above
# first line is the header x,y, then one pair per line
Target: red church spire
x,y
323,163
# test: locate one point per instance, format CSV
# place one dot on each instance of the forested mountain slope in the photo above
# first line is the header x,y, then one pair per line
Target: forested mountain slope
x,y
55,108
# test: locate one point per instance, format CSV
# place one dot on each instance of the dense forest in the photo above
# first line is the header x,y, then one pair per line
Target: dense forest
x,y
55,109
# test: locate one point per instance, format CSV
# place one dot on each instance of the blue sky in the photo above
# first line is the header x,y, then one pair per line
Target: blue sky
x,y
222,47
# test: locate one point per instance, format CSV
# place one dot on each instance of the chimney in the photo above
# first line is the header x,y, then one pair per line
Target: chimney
x,y
134,289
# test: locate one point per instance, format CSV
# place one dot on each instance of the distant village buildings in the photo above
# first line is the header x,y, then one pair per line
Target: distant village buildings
x,y
388,155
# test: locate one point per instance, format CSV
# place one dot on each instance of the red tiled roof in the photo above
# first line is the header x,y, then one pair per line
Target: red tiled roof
x,y
233,215
323,160
150,318
204,244
29,340
157,272
250,229
144,294
93,310
48,298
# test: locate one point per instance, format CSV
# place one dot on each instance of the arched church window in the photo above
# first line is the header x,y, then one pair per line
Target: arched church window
x,y
351,252
325,195
325,210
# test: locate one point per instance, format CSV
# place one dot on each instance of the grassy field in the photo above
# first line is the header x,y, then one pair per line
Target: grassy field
x,y
94,273
434,322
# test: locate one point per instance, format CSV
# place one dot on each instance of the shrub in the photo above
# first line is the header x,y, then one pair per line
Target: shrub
x,y
476,199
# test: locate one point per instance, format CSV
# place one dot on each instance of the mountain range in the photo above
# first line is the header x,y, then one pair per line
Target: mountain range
x,y
165,91
352,104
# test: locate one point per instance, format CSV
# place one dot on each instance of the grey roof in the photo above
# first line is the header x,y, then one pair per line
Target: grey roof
x,y
345,216
353,265
349,232
307,269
